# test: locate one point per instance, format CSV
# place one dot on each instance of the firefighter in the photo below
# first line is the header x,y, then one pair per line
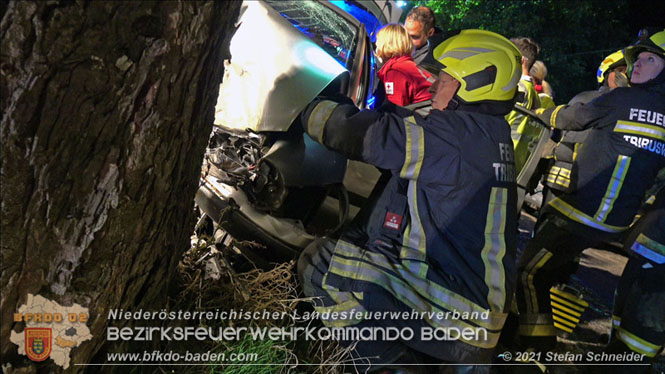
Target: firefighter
x,y
616,166
611,74
638,319
441,238
560,177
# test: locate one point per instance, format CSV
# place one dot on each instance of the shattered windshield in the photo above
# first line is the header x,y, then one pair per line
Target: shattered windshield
x,y
321,24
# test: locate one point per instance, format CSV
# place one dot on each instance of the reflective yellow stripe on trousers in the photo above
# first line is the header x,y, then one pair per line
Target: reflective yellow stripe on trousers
x,y
528,287
534,322
541,324
344,302
649,248
637,344
375,264
413,293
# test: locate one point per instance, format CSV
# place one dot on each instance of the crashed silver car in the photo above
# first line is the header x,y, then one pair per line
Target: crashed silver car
x,y
263,179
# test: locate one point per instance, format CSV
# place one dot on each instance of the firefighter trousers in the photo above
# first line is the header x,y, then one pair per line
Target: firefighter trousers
x,y
638,318
366,356
545,262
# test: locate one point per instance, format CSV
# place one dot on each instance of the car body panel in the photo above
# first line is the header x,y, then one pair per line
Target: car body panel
x,y
539,150
214,197
274,72
282,57
304,162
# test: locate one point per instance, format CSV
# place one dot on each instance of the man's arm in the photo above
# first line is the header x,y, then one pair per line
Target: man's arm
x,y
359,135
578,116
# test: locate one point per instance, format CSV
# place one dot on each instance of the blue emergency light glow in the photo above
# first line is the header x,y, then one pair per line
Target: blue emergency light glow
x,y
304,30
401,4
371,100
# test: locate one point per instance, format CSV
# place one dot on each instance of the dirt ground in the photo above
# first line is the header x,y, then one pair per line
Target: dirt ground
x,y
596,278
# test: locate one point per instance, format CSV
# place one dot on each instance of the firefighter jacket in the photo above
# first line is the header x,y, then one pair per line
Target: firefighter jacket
x,y
404,82
620,157
441,238
561,176
546,101
525,133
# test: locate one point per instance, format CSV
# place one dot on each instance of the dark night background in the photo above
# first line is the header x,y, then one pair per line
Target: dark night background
x,y
574,36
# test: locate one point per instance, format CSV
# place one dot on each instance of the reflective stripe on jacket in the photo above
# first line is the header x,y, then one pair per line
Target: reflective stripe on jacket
x,y
620,157
442,236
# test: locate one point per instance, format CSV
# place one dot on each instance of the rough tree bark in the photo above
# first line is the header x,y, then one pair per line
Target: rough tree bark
x,y
106,111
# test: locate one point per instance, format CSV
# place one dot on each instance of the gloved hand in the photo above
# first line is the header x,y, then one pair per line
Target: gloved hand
x,y
540,113
621,80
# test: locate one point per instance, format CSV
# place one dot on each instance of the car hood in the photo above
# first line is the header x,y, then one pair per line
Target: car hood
x,y
274,72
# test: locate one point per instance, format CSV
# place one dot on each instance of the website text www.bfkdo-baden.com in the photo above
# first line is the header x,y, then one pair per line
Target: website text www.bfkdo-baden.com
x,y
159,357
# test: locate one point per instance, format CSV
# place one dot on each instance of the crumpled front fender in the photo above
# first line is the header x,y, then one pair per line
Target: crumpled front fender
x,y
274,72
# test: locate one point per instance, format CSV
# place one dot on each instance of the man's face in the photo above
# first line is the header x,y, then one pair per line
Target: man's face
x,y
443,90
417,33
647,67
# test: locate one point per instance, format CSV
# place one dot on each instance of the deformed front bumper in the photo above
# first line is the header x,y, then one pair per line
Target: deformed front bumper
x,y
230,208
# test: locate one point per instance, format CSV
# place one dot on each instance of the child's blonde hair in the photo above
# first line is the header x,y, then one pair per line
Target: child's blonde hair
x,y
538,70
547,89
393,40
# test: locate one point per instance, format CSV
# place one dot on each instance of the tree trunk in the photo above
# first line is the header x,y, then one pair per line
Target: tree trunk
x,y
106,110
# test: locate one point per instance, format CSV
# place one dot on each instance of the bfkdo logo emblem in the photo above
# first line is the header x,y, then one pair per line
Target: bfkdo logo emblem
x,y
38,343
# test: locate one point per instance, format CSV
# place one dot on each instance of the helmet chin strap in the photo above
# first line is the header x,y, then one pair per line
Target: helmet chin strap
x,y
453,103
